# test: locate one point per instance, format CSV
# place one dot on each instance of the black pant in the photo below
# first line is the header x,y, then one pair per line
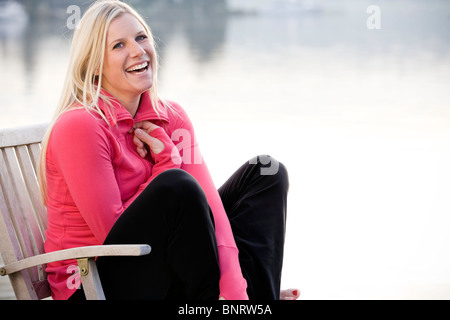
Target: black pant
x,y
255,199
173,216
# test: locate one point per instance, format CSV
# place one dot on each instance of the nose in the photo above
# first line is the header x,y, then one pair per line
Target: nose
x,y
136,50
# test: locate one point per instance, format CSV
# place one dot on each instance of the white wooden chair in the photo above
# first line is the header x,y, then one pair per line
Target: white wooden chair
x,y
23,221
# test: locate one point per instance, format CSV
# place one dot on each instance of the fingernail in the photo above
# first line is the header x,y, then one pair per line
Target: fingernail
x,y
295,292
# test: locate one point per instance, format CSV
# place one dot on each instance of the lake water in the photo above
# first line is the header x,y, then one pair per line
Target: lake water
x,y
360,116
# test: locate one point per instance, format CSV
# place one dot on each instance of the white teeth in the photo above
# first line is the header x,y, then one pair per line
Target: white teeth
x,y
137,67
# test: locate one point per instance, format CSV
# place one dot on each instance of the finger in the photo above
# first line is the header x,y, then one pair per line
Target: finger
x,y
155,145
146,125
138,142
142,152
140,147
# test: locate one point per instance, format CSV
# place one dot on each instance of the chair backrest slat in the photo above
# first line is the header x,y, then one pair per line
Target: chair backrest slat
x,y
23,220
10,245
32,187
34,151
13,203
19,203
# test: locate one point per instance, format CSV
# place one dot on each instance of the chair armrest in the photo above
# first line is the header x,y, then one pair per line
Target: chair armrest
x,y
76,253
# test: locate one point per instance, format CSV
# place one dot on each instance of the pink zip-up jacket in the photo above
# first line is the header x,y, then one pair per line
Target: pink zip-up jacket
x,y
94,173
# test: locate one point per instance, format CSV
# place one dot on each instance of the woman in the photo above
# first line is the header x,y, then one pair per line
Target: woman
x,y
111,174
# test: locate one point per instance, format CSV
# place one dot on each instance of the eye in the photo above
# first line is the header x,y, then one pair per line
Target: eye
x,y
141,37
118,45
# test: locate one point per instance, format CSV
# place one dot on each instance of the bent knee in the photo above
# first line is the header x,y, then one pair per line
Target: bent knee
x,y
178,181
269,166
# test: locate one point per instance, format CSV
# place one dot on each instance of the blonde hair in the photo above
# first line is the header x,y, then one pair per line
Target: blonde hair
x,y
82,86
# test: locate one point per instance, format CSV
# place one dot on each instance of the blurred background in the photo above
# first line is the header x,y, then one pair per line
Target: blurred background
x,y
355,102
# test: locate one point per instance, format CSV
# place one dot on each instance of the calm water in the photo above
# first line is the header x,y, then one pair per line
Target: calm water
x,y
361,118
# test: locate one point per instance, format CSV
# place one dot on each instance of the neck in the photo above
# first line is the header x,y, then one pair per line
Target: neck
x,y
132,105
130,102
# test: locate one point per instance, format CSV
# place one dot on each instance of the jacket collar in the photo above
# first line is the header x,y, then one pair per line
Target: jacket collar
x,y
120,113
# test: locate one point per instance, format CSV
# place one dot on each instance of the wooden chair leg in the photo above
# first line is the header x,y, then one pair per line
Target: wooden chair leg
x,y
90,279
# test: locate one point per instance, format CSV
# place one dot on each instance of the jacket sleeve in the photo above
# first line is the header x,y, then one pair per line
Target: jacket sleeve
x,y
232,283
80,149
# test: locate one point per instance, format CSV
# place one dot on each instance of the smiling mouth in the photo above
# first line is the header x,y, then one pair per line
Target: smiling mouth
x,y
138,69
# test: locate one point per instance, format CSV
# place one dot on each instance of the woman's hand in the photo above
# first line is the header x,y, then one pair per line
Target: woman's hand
x,y
142,139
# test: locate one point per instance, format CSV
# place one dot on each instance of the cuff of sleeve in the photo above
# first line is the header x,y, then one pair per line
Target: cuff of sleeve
x,y
170,151
232,284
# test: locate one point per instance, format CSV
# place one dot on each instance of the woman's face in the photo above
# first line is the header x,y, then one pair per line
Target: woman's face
x,y
127,71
